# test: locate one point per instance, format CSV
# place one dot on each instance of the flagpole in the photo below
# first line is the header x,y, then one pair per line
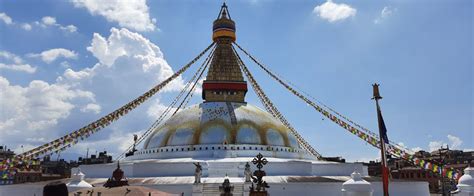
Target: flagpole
x,y
383,139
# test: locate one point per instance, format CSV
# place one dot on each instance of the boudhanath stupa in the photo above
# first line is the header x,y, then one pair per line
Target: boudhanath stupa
x,y
223,134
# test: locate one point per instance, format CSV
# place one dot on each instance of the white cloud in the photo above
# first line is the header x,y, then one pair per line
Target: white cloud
x,y
26,26
132,14
16,63
36,139
65,64
5,18
18,67
51,55
70,28
123,44
402,144
157,109
128,65
38,106
334,12
24,148
455,142
72,75
48,20
376,158
386,12
435,145
11,57
416,149
91,107
120,141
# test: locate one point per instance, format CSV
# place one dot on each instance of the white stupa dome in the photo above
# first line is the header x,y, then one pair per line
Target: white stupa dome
x,y
218,123
221,126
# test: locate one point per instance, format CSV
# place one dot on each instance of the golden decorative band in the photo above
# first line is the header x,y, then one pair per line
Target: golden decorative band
x,y
223,33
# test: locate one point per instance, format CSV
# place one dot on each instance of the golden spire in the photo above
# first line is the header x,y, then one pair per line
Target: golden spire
x,y
224,80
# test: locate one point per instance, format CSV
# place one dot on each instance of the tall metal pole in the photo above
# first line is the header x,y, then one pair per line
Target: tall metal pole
x,y
383,139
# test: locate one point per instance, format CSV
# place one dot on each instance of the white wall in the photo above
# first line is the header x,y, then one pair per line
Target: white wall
x,y
216,168
338,169
403,188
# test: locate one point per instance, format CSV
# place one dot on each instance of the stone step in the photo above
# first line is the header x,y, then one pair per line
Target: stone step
x,y
212,189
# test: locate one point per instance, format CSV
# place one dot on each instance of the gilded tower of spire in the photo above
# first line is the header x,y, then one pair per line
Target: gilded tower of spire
x,y
224,81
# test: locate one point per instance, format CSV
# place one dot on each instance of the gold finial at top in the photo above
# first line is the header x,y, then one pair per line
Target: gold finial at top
x,y
376,91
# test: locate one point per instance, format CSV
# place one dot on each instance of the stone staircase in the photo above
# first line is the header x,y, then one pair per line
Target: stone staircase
x,y
212,189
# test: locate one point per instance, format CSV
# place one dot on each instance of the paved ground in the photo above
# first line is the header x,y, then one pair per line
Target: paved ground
x,y
125,190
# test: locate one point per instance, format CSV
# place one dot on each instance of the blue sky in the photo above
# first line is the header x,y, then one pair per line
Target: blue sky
x,y
64,64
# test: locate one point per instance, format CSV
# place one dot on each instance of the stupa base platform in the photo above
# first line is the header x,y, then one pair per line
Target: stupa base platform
x,y
284,176
279,185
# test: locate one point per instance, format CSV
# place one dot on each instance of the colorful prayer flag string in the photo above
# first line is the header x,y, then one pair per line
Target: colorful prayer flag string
x,y
369,137
66,141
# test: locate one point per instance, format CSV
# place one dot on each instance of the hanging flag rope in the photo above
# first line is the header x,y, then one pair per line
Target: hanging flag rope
x,y
191,91
270,107
371,138
71,139
165,113
342,116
